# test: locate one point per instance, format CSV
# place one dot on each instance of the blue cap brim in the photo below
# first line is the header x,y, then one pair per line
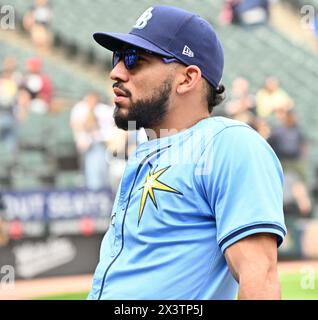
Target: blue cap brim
x,y
114,41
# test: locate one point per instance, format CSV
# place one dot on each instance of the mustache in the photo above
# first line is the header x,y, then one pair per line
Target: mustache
x,y
120,86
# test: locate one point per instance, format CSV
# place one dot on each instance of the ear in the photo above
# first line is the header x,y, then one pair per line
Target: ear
x,y
189,79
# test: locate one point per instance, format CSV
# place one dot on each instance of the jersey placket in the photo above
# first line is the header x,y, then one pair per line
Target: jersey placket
x,y
117,224
119,215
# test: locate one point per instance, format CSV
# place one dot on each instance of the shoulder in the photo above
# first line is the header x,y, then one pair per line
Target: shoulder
x,y
234,139
221,127
223,139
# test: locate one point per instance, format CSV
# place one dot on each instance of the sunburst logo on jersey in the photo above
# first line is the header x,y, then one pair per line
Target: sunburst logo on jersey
x,y
151,184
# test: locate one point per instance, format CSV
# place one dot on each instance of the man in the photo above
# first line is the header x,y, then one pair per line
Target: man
x,y
3,230
289,143
92,124
37,82
37,21
251,12
199,207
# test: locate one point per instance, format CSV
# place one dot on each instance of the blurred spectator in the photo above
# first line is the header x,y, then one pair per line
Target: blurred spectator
x,y
8,84
117,147
261,126
38,83
228,13
242,103
92,124
3,227
271,97
8,89
10,67
316,28
26,105
22,106
288,142
122,144
296,198
245,12
37,21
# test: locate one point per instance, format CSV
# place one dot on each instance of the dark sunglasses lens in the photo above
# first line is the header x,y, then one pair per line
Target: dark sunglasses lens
x,y
130,57
116,58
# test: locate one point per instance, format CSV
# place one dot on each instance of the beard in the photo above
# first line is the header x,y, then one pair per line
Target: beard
x,y
144,113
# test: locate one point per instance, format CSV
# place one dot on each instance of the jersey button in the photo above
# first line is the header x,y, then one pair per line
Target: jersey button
x,y
113,219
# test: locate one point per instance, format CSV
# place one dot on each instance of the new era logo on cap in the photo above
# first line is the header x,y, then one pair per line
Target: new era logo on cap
x,y
188,52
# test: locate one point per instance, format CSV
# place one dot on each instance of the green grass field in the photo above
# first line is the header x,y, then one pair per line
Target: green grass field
x,y
294,287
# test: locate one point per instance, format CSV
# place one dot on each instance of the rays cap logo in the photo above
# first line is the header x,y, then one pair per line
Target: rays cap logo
x,y
144,18
175,33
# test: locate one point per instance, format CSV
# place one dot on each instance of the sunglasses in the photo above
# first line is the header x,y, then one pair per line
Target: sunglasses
x,y
131,56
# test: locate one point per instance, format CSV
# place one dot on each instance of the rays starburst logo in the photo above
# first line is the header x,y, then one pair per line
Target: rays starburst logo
x,y
151,185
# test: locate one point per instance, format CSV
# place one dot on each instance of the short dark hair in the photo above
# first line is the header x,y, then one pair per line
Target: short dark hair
x,y
214,95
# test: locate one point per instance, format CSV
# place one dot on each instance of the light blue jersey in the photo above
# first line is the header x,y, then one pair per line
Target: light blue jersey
x,y
182,201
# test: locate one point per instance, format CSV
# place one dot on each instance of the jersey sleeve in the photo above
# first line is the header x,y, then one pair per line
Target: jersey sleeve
x,y
244,186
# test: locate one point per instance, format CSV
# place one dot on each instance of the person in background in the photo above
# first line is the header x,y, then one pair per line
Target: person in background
x,y
315,28
10,67
92,124
37,21
23,105
9,81
289,143
3,225
228,13
245,12
261,126
242,103
270,97
252,12
38,83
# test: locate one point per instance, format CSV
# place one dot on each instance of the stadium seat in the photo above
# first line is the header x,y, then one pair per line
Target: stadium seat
x,y
71,179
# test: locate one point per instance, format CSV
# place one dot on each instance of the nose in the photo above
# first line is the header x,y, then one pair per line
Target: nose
x,y
119,72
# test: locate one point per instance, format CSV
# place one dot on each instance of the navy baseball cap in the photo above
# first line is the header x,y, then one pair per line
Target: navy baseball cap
x,y
173,32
